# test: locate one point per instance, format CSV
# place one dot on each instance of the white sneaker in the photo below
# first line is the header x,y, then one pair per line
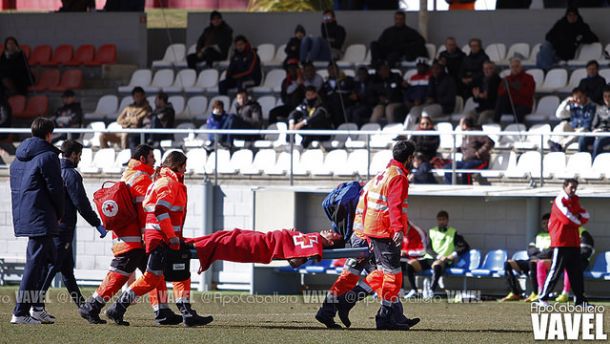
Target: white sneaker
x,y
26,319
42,316
413,294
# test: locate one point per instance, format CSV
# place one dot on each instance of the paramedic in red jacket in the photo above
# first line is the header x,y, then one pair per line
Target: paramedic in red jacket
x,y
165,206
566,217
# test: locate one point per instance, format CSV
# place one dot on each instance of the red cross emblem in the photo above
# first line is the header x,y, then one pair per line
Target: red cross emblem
x,y
304,240
110,208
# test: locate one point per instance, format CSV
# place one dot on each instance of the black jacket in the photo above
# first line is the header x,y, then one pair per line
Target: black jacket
x,y
68,116
251,113
75,200
37,190
245,65
6,116
594,88
219,36
453,62
473,65
404,40
390,88
334,34
292,50
15,67
566,37
490,86
427,145
442,90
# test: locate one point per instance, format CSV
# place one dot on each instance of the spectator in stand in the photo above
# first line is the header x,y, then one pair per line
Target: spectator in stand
x,y
163,117
311,77
564,38
476,152
416,92
244,69
69,115
421,171
576,114
15,72
467,5
519,96
218,119
292,93
335,94
593,84
328,47
310,115
452,58
486,94
386,90
398,42
360,112
426,146
471,71
601,124
441,92
213,44
248,115
132,117
293,47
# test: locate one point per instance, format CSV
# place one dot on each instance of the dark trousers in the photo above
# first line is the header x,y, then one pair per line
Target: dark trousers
x,y
503,106
379,53
598,144
208,56
466,165
64,264
567,258
40,253
225,85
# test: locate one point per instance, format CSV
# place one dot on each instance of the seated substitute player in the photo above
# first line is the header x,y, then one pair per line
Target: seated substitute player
x,y
586,252
540,249
445,246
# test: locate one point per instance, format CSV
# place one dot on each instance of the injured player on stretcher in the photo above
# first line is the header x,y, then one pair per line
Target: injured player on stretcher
x,y
248,246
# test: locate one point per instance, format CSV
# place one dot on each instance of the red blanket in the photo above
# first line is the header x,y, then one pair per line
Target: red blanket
x,y
247,246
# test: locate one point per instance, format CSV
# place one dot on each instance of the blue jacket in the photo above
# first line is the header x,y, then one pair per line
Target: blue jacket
x,y
582,116
75,200
222,121
37,190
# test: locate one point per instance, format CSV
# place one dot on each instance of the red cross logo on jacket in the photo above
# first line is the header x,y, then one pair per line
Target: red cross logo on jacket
x,y
305,241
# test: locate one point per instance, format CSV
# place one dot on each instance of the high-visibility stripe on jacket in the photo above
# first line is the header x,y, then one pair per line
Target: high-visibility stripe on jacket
x,y
543,241
442,242
386,202
165,206
138,177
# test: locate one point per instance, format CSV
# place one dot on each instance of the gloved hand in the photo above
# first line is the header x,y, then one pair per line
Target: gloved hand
x,y
102,231
398,236
174,243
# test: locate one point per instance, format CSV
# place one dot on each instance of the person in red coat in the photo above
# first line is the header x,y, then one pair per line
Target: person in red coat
x,y
567,215
516,93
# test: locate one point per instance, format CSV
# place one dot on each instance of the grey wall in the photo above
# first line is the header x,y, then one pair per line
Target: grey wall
x,y
506,26
126,30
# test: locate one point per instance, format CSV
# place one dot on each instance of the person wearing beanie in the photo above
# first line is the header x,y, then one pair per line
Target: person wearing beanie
x,y
213,44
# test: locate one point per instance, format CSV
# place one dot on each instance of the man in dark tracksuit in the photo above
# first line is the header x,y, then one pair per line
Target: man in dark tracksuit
x,y
566,217
37,197
245,68
75,200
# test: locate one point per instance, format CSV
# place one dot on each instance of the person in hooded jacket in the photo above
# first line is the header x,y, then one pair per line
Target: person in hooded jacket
x,y
327,47
37,200
213,44
564,38
15,73
293,47
245,67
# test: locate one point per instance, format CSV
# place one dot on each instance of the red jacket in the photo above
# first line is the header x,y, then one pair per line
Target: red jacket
x,y
566,217
522,88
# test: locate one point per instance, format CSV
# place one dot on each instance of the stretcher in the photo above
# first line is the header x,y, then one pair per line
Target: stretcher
x,y
359,252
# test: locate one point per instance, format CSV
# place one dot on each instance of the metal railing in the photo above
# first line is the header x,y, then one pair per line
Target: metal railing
x,y
290,142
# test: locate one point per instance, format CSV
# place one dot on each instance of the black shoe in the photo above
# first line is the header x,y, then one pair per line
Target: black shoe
x,y
347,301
190,318
116,313
400,318
91,313
328,321
165,316
386,320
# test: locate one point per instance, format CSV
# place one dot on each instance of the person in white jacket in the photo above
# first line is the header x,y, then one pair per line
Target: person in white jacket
x,y
576,113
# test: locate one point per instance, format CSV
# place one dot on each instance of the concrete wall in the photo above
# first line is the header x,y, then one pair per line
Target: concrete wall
x,y
126,30
507,26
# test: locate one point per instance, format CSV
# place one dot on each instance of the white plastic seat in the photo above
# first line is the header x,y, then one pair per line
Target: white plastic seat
x,y
121,159
586,53
360,142
522,49
103,157
496,51
195,108
470,105
184,79
157,155
533,142
86,159
263,159
354,55
605,73
173,54
280,56
553,163
446,139
224,162
599,169
273,140
531,61
545,109
509,140
93,139
575,77
578,164
163,78
266,52
141,77
267,103
554,80
310,160
196,160
386,137
207,78
106,105
178,137
528,165
492,131
272,83
282,166
379,161
499,164
538,75
182,63
241,160
356,164
178,104
338,141
333,161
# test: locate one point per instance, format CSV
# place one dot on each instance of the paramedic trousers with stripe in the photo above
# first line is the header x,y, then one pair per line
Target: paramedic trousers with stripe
x,y
567,258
